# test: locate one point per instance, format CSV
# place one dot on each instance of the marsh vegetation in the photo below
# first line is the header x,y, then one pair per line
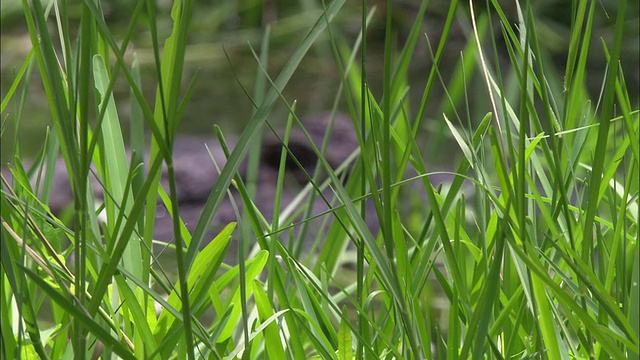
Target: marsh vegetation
x,y
407,180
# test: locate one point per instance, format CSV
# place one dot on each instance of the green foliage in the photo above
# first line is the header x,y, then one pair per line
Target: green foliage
x,y
530,251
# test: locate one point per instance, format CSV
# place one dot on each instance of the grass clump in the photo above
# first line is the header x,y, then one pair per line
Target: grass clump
x,y
529,251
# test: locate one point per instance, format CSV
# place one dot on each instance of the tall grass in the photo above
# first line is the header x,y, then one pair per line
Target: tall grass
x,y
532,246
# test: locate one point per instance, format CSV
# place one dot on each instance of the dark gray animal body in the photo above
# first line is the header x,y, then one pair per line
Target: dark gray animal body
x,y
197,161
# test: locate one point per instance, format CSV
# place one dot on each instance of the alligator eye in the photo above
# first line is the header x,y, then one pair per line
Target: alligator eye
x,y
160,212
303,153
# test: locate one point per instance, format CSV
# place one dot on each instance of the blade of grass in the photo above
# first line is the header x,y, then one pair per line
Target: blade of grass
x,y
214,200
81,315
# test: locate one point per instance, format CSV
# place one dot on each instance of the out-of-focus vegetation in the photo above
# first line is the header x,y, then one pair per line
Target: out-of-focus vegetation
x,y
229,27
530,250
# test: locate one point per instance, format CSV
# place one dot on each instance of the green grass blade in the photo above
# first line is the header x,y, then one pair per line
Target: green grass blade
x,y
80,315
214,200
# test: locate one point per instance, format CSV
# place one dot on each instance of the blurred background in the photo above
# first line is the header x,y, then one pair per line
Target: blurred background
x,y
233,26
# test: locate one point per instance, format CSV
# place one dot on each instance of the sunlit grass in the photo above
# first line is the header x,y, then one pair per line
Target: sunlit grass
x,y
529,251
